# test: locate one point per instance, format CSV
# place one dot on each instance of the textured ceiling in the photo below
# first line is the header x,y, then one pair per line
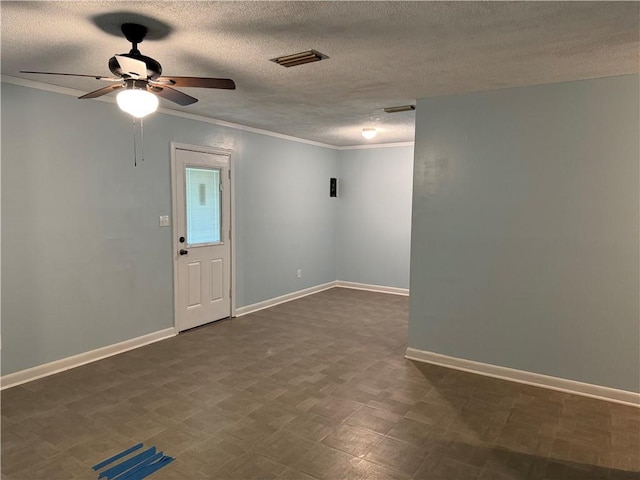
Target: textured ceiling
x,y
381,53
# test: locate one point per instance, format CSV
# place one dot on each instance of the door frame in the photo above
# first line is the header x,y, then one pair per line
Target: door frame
x,y
174,215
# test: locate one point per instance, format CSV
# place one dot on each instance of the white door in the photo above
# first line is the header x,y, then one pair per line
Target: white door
x,y
202,203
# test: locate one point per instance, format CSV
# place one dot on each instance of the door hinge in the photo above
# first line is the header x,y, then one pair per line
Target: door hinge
x,y
229,234
229,293
220,186
229,172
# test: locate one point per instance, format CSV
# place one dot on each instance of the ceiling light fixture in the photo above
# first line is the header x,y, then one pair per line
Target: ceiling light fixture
x,y
137,101
369,132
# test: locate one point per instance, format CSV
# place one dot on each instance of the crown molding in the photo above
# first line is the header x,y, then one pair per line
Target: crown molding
x,y
377,145
48,87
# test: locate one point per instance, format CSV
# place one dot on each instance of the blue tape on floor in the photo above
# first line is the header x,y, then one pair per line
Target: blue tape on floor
x,y
118,456
149,469
127,464
137,467
141,465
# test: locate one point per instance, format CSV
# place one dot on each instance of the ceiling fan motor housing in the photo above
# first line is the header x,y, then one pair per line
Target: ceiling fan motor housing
x,y
154,70
133,32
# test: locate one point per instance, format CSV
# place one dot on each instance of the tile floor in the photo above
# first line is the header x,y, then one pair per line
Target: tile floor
x,y
316,388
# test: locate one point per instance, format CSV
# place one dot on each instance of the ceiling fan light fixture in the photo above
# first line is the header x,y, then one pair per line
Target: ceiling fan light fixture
x,y
369,132
137,102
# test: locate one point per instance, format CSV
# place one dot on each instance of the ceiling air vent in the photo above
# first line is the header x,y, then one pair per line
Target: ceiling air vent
x,y
401,108
301,58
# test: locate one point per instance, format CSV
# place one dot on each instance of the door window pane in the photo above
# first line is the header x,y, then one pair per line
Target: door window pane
x,y
203,205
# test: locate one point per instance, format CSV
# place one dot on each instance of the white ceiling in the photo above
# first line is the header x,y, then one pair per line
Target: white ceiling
x,y
380,53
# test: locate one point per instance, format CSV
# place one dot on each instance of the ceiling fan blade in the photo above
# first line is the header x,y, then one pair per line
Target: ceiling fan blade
x,y
199,82
132,67
97,77
172,94
102,91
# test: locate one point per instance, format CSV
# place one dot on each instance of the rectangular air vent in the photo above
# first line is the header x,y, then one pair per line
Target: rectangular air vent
x,y
401,108
301,58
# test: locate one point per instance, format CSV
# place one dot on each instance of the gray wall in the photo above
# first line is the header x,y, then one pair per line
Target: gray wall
x,y
374,215
84,262
285,218
525,229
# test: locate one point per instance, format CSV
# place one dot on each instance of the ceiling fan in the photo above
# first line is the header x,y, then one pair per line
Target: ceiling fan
x,y
139,80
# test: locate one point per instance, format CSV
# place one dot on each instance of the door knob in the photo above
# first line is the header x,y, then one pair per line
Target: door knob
x,y
183,251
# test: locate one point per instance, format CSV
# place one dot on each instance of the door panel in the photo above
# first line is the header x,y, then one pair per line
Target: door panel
x,y
217,280
193,285
203,258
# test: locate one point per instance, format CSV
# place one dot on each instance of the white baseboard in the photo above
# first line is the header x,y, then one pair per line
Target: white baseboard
x,y
57,366
536,379
272,302
34,373
318,288
373,288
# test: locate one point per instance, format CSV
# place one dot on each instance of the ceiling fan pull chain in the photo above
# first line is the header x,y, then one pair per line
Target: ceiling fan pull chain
x,y
135,149
142,137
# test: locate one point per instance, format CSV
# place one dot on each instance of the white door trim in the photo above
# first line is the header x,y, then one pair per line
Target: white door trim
x,y
174,215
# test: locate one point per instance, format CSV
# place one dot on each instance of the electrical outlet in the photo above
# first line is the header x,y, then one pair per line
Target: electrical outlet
x,y
299,273
164,220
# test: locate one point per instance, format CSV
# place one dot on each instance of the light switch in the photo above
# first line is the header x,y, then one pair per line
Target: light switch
x,y
164,220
